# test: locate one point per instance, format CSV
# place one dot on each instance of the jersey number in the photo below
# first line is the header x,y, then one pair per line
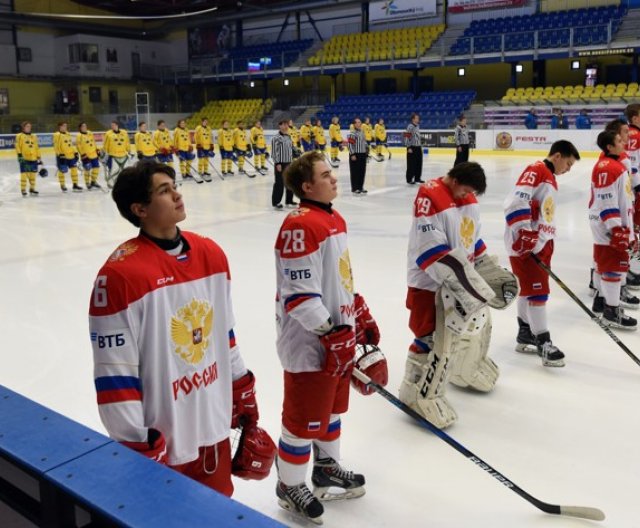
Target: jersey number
x,y
100,292
602,178
528,178
293,241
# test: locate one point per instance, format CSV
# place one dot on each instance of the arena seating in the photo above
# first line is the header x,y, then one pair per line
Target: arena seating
x,y
250,58
233,110
513,116
437,110
402,43
590,26
578,94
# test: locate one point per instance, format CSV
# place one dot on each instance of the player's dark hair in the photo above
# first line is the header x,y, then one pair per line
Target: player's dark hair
x,y
301,171
80,125
632,111
414,115
60,123
160,122
134,186
565,148
24,124
615,125
141,123
606,138
470,173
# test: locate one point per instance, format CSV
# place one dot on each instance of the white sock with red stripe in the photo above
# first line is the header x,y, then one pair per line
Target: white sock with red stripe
x,y
293,456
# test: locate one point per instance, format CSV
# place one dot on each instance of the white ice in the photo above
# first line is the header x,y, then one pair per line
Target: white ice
x,y
567,436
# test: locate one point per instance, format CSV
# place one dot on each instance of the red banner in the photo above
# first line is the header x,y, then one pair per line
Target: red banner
x,y
462,6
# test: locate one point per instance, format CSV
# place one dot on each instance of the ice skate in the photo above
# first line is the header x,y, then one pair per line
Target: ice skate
x,y
551,355
299,499
327,474
598,303
526,341
76,188
628,300
614,317
633,280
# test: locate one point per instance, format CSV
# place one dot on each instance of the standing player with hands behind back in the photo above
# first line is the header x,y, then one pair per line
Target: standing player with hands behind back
x,y
169,376
319,323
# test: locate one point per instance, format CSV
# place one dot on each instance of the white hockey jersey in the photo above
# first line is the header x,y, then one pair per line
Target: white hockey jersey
x,y
532,206
611,202
440,224
163,344
633,151
314,283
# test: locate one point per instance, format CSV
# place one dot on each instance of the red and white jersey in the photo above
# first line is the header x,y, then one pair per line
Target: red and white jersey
x,y
611,202
623,158
633,149
532,206
440,224
314,283
163,344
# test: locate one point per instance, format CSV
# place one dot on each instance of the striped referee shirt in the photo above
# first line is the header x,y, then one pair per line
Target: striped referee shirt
x,y
357,142
281,148
461,135
412,136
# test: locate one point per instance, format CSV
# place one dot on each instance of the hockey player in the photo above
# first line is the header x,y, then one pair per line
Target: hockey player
x,y
335,137
318,136
294,133
28,153
225,144
169,376
632,142
116,147
319,323
368,135
306,136
86,145
241,147
451,280
259,147
163,143
380,133
530,211
183,148
611,220
204,148
143,141
66,157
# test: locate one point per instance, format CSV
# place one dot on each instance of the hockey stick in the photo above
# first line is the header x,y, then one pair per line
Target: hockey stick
x,y
193,172
591,315
582,512
250,164
215,170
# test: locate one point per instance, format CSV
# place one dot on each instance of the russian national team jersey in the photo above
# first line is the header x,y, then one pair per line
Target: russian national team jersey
x,y
440,224
314,283
611,202
532,206
163,344
633,150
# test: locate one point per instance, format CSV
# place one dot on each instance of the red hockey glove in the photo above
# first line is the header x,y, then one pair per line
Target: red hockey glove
x,y
255,454
340,347
525,242
154,448
620,237
165,151
199,147
372,363
190,149
174,150
245,407
367,331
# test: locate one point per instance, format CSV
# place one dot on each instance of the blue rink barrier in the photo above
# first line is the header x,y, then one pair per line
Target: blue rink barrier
x,y
58,473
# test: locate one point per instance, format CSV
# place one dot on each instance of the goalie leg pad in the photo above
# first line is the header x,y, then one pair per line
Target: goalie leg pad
x,y
472,367
503,283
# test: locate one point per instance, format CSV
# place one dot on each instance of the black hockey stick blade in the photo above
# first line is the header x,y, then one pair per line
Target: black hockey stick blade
x,y
591,315
583,512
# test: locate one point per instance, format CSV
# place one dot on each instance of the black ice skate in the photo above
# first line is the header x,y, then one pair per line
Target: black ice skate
x,y
299,499
63,188
633,280
598,303
525,339
614,317
206,177
628,300
33,192
551,355
327,474
76,188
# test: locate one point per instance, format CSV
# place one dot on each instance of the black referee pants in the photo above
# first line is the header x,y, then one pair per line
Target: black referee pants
x,y
462,154
414,164
357,170
278,186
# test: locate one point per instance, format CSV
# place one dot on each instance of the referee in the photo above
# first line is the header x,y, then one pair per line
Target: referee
x,y
282,154
461,136
414,151
358,151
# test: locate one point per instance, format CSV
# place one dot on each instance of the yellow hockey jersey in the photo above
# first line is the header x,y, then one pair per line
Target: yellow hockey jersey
x,y
117,144
380,132
306,133
225,139
368,132
63,145
86,145
203,137
240,139
27,146
257,137
182,139
334,133
162,141
318,134
294,134
144,144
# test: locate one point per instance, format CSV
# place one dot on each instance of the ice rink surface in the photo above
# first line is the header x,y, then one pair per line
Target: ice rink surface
x,y
567,436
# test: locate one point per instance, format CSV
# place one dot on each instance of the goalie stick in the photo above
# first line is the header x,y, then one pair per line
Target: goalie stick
x,y
591,315
583,512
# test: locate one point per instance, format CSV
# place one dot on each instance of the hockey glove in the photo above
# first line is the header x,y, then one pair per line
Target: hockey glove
x,y
525,242
39,162
371,361
255,455
296,152
139,155
165,152
340,348
245,407
154,448
620,237
190,148
367,331
199,147
76,157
